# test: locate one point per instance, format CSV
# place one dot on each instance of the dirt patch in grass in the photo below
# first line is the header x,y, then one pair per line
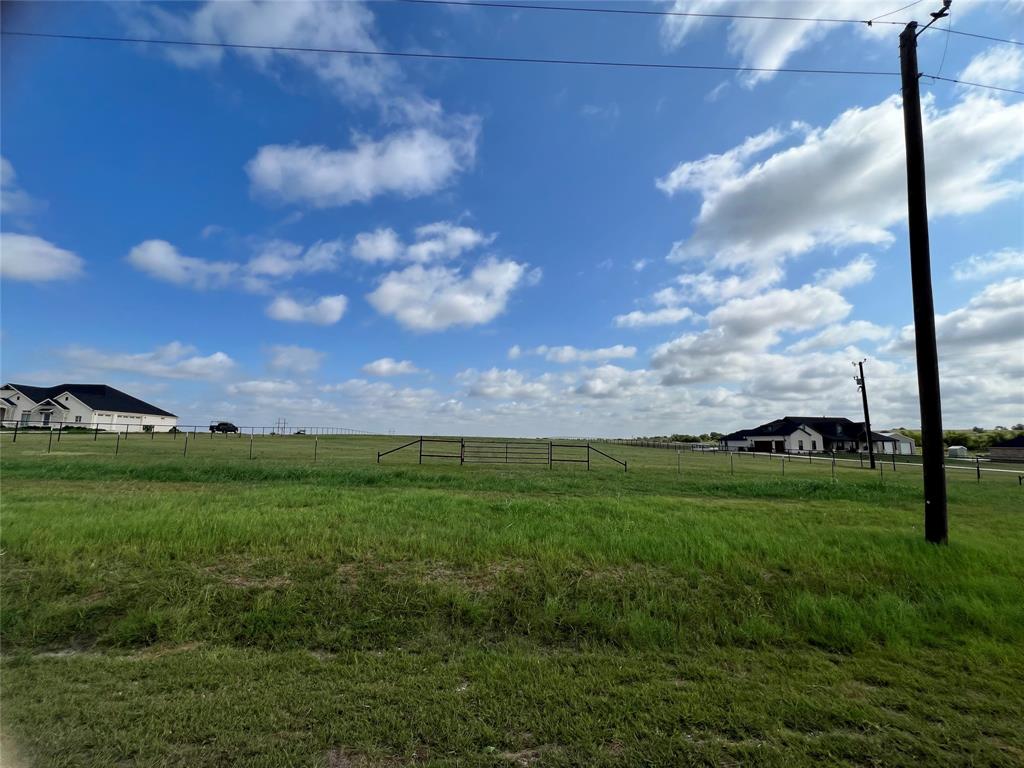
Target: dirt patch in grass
x,y
525,758
234,576
343,757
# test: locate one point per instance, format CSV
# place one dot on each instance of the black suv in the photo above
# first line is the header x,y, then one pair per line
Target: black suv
x,y
223,426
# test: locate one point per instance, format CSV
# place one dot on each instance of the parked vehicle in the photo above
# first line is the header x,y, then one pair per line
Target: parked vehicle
x,y
223,426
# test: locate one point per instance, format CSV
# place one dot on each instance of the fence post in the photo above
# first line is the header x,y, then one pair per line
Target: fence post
x,y
588,456
125,431
783,463
679,462
462,450
15,433
894,460
185,452
861,454
549,454
60,429
50,441
316,443
833,465
421,449
977,465
152,433
250,447
732,469
117,445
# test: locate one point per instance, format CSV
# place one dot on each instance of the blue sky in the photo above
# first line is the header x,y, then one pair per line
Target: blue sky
x,y
486,248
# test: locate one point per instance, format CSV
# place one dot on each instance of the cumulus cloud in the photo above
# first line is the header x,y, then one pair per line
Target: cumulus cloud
x,y
14,201
29,258
300,23
1001,66
980,267
993,317
263,388
283,259
508,384
841,334
860,270
570,354
664,316
408,163
433,242
286,357
326,310
160,259
171,361
844,184
435,298
759,45
388,366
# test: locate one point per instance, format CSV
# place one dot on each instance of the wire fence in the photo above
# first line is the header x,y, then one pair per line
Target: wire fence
x,y
141,426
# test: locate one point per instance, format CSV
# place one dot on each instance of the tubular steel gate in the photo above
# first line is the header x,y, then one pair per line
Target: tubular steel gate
x,y
483,451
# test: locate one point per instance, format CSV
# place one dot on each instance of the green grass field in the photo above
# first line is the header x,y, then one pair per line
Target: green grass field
x,y
212,610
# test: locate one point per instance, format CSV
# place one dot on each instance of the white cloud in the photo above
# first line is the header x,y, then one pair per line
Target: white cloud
x,y
507,384
433,242
1001,66
14,201
664,316
407,163
25,257
515,352
993,317
381,245
161,260
171,361
569,354
759,44
388,366
300,23
284,357
979,267
609,381
860,270
326,310
844,184
842,334
263,388
435,298
282,259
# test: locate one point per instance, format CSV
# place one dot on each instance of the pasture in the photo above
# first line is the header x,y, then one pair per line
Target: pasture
x,y
208,609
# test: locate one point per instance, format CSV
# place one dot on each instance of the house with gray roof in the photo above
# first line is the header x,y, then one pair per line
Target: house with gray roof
x,y
81,405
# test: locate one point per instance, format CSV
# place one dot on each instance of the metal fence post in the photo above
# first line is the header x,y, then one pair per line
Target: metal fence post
x,y
833,465
60,429
250,447
117,445
50,441
732,469
977,465
462,450
185,452
15,433
549,454
421,449
588,457
316,443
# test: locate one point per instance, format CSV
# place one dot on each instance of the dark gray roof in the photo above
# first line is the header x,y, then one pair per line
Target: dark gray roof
x,y
99,397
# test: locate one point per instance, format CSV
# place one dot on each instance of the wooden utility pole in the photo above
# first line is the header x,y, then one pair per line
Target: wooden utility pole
x,y
935,512
863,386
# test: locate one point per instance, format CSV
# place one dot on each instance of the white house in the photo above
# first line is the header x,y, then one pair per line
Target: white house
x,y
904,446
807,434
80,405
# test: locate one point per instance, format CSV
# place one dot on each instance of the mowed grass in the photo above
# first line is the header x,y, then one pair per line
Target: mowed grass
x,y
208,609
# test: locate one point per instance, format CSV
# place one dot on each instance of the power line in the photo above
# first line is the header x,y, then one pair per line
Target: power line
x,y
891,13
973,85
636,11
503,59
945,48
692,14
455,56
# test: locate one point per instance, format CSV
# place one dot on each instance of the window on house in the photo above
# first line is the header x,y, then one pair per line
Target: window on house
x,y
800,445
814,445
78,419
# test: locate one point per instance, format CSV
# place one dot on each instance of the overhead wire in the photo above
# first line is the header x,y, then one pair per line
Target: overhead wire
x,y
691,14
487,58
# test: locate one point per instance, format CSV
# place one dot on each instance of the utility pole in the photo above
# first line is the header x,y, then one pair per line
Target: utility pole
x,y
862,385
936,528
